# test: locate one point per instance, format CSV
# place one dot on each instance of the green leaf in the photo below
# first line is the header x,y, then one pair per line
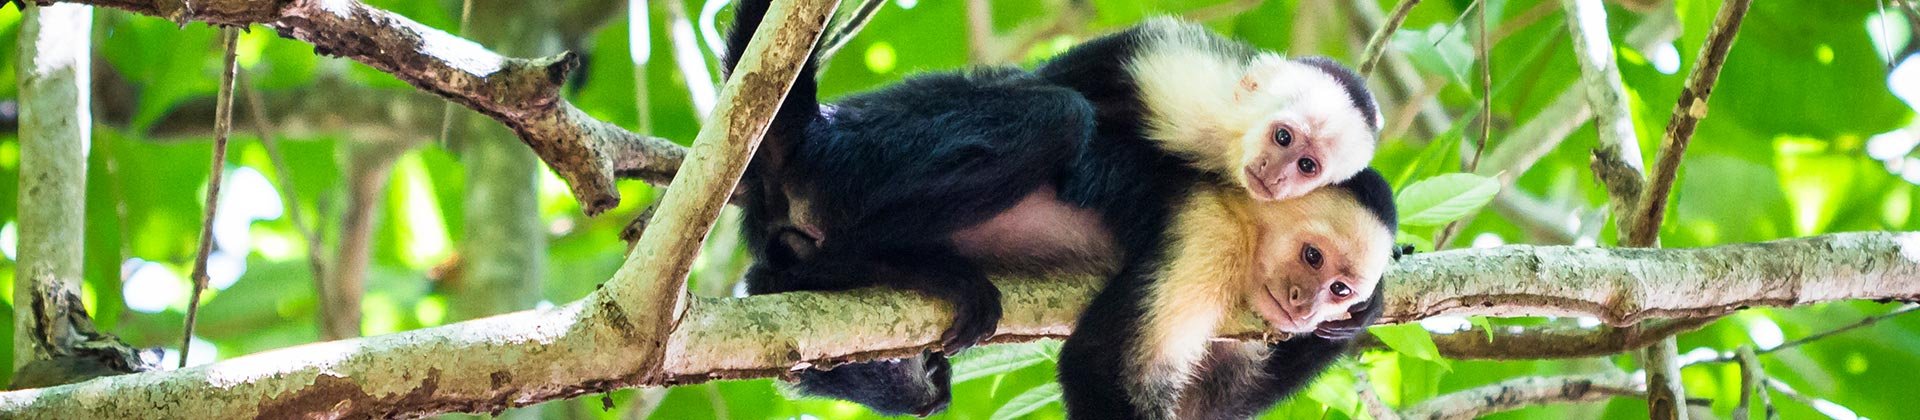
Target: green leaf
x,y
1445,198
1002,358
1336,390
1409,340
1437,50
1030,401
1441,154
1484,323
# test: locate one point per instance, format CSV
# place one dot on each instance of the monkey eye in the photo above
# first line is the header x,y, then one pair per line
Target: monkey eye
x,y
1308,166
1340,289
1311,255
1283,137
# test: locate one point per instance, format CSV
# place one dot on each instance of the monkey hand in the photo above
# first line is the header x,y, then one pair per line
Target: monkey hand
x,y
1359,316
1402,250
973,323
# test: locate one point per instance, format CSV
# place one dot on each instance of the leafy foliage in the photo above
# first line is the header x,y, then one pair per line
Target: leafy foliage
x,y
1806,136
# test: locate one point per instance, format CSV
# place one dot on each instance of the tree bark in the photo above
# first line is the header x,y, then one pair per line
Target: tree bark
x,y
54,132
522,93
526,357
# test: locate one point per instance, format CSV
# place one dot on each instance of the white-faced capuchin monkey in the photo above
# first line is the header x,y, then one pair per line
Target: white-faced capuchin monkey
x,y
1275,126
1309,266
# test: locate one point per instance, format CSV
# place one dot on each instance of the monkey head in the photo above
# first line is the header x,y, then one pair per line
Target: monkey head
x,y
1321,253
1309,122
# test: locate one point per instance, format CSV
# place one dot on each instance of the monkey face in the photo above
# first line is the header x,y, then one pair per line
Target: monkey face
x,y
1318,255
1314,137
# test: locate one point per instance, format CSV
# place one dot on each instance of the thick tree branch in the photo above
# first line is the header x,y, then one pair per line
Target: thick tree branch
x,y
522,93
1623,286
533,356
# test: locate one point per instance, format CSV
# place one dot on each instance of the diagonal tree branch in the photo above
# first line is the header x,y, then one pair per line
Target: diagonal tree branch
x,y
522,93
510,360
1377,44
1686,115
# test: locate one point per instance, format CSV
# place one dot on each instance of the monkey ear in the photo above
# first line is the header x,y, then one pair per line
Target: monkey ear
x,y
1259,72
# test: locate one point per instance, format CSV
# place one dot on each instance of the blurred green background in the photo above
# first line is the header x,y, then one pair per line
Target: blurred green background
x,y
1812,131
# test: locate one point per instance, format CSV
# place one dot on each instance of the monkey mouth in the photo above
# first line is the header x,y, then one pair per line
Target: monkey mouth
x,y
1258,186
1291,324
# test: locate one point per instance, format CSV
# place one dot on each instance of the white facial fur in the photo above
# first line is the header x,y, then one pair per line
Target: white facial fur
x,y
1211,105
1355,246
1325,125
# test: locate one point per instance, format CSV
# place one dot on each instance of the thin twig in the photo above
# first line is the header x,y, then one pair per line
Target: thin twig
x,y
1486,94
1751,375
1863,323
446,112
1377,45
284,174
1472,8
1784,389
1365,18
222,125
840,35
1686,116
1522,392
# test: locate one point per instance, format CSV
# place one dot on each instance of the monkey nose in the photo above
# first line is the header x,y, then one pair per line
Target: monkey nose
x,y
1299,303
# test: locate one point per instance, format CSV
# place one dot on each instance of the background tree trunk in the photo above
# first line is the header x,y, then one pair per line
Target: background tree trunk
x,y
54,131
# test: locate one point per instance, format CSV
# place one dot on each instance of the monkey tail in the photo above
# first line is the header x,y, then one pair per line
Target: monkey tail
x,y
802,104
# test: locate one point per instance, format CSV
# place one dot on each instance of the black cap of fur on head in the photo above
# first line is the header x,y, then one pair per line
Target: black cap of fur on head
x,y
1356,87
1375,194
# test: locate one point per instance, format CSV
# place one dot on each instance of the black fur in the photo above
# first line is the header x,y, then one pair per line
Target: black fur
x,y
904,383
1355,86
889,175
